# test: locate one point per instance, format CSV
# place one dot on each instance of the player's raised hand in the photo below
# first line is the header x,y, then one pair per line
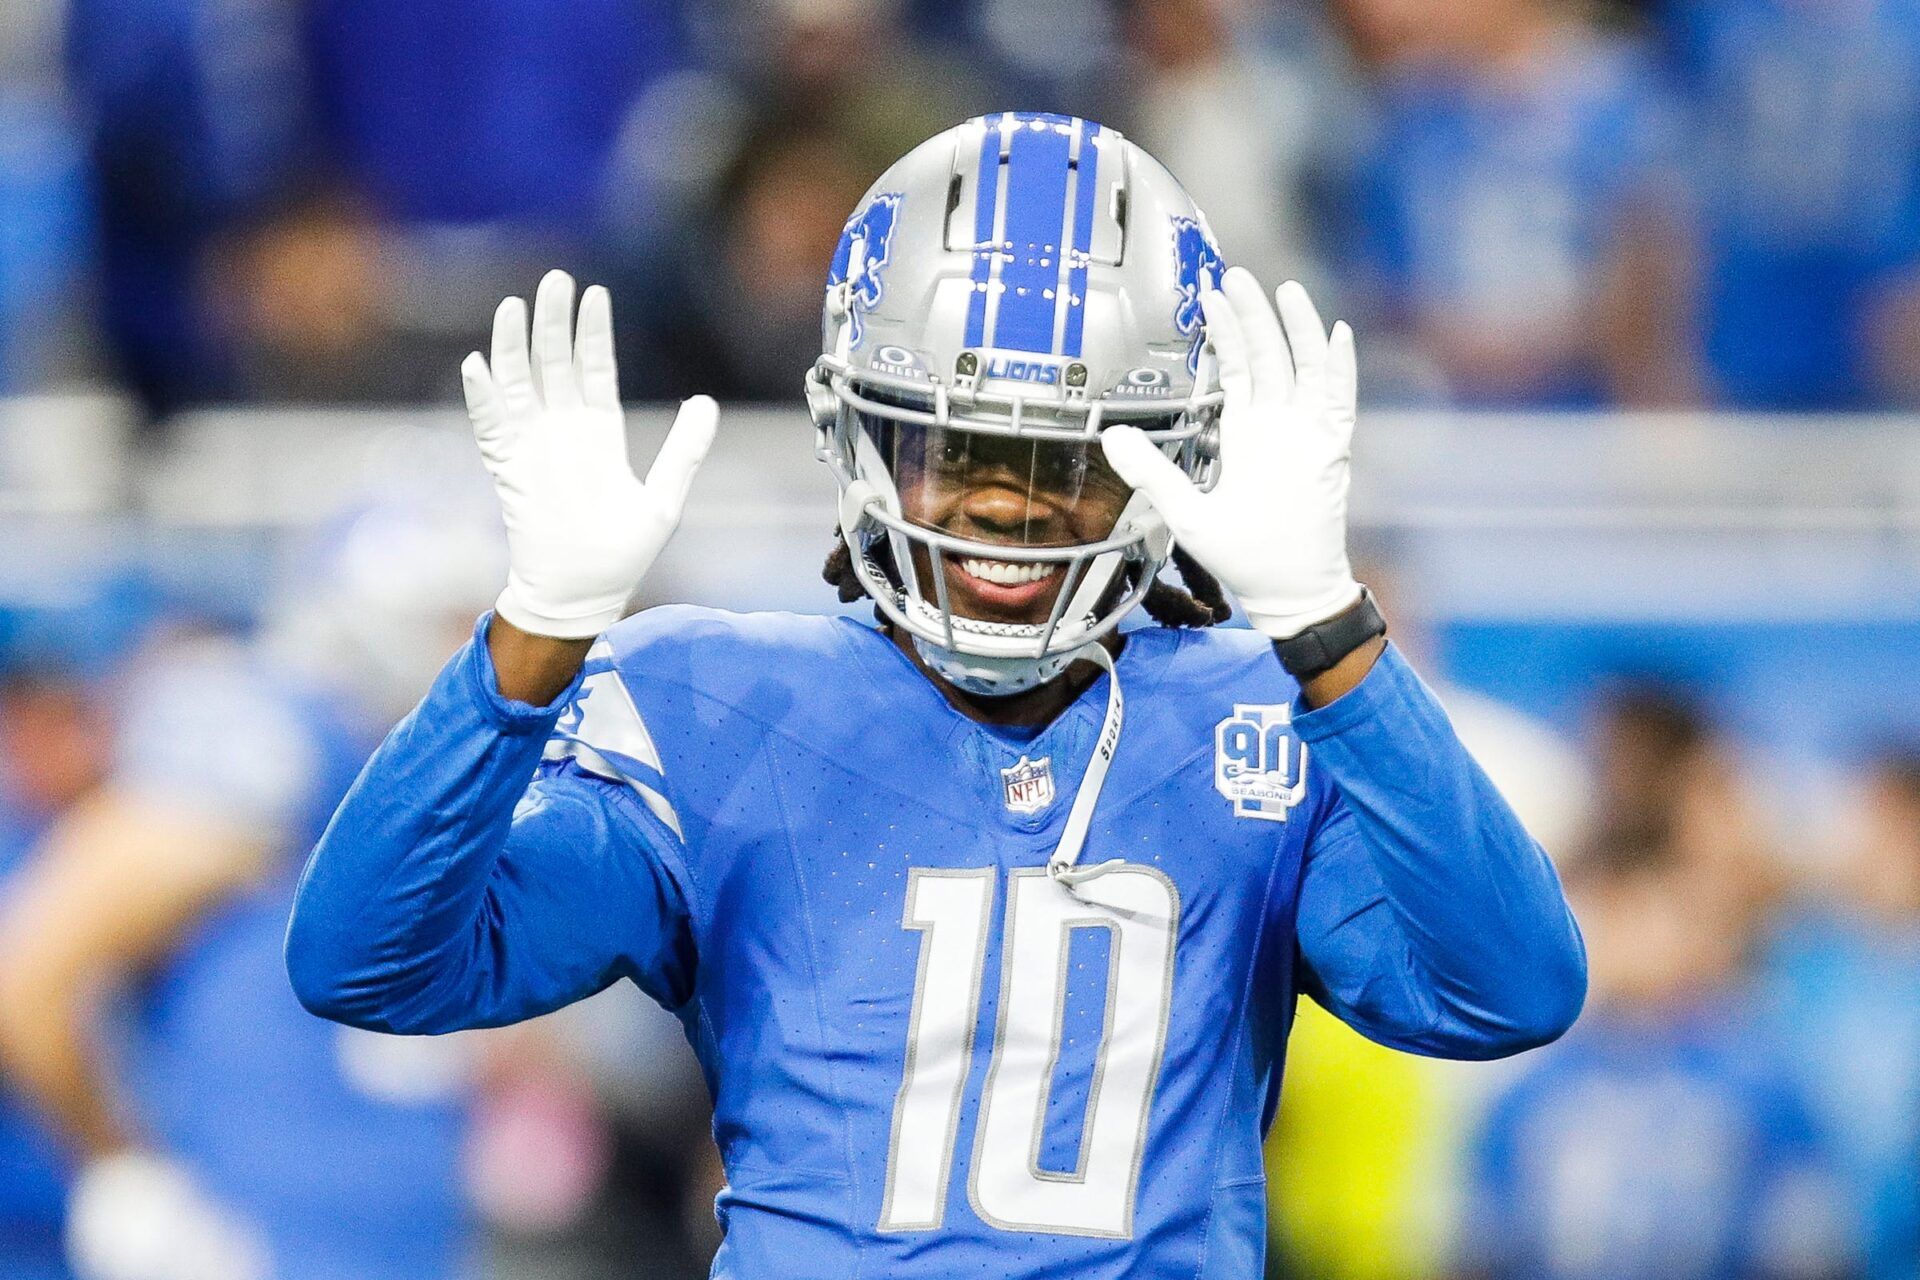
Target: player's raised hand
x,y
1274,527
582,529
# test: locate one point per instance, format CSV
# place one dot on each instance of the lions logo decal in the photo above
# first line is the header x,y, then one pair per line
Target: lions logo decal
x,y
864,245
1197,268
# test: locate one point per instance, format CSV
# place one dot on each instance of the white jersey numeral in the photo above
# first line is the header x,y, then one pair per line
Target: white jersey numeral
x,y
952,909
1140,910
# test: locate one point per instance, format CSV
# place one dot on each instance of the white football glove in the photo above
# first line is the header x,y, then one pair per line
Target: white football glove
x,y
1274,527
582,529
139,1216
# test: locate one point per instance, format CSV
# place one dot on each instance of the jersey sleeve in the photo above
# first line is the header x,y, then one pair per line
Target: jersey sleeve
x,y
1428,919
477,875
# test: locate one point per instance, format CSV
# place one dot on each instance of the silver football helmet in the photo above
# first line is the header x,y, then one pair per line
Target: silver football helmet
x,y
1002,294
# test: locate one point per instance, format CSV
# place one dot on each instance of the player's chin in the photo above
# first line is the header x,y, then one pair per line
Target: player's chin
x,y
1013,591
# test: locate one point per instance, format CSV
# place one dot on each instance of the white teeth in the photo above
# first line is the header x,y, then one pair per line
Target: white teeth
x,y
1005,573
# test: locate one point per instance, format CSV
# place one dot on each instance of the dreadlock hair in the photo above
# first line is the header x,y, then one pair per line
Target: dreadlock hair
x,y
838,570
1201,604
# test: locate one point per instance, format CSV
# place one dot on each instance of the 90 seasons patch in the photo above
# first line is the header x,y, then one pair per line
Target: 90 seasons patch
x,y
1257,762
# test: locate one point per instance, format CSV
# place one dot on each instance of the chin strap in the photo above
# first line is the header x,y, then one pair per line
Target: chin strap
x,y
1063,865
986,677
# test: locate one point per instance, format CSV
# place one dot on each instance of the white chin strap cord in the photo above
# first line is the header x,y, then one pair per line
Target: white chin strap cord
x,y
1064,866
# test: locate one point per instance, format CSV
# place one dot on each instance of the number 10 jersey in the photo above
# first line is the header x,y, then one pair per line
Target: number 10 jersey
x,y
928,1056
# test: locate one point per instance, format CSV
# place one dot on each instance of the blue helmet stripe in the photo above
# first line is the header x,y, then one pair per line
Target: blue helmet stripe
x,y
986,199
1076,290
1035,217
1062,296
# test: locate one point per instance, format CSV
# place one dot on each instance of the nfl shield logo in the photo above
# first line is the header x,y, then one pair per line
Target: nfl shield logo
x,y
1029,784
1257,762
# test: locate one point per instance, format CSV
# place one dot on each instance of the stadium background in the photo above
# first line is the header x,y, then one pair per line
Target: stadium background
x,y
1638,295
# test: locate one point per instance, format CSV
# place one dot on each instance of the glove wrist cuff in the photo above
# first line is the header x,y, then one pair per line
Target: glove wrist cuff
x,y
539,622
1278,625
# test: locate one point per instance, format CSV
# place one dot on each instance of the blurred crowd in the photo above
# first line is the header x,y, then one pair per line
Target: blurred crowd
x,y
168,1111
1518,202
1741,1097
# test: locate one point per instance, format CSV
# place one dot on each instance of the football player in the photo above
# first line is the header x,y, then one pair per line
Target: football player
x,y
983,981
219,1132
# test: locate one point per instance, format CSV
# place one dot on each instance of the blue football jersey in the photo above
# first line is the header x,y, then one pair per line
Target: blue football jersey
x,y
1841,994
341,1150
1655,1148
928,1056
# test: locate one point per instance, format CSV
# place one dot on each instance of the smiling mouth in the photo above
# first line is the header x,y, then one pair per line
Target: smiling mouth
x,y
1007,573
1009,587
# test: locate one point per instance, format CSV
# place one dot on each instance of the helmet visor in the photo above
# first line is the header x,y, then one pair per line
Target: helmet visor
x,y
1014,491
988,490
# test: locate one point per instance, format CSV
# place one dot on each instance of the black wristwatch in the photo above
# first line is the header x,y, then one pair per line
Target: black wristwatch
x,y
1321,646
